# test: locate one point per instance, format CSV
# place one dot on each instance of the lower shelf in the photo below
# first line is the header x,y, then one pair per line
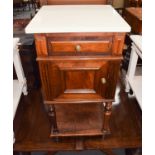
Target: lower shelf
x,y
86,133
79,120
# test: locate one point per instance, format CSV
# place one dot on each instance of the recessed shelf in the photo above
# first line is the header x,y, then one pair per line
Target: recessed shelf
x,y
79,120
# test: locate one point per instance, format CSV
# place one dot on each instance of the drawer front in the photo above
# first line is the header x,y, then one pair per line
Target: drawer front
x,y
76,47
79,44
77,81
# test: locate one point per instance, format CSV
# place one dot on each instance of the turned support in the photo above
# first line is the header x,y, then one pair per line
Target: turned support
x,y
106,117
52,114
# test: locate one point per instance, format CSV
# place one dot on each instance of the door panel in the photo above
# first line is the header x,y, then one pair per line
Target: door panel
x,y
79,79
75,79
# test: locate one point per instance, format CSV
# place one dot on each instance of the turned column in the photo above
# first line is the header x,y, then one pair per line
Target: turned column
x,y
106,117
52,114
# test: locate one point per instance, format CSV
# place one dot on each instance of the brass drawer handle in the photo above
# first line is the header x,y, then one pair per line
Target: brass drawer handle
x,y
103,80
78,48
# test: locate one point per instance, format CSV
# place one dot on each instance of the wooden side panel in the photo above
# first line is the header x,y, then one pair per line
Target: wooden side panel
x,y
41,45
113,72
51,79
118,44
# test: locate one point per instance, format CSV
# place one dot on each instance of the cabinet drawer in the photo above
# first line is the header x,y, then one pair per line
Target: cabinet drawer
x,y
79,44
76,47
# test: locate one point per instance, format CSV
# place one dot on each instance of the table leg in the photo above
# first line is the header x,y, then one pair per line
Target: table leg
x,y
19,71
131,68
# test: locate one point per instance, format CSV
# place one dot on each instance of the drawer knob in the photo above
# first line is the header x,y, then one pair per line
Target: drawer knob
x,y
78,48
103,80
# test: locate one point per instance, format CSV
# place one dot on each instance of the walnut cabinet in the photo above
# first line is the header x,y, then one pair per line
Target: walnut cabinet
x,y
79,69
79,60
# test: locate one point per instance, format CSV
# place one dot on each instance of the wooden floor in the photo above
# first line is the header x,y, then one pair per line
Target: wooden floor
x,y
32,127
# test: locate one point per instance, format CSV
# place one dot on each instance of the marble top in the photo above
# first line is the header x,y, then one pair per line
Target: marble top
x,y
77,18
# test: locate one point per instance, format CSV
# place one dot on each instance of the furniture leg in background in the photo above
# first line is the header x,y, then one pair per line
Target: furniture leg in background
x,y
134,81
19,85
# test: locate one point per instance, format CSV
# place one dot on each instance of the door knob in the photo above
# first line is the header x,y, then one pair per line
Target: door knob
x,y
103,80
78,48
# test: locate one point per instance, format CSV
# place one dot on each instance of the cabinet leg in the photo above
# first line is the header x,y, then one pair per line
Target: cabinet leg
x,y
53,120
106,119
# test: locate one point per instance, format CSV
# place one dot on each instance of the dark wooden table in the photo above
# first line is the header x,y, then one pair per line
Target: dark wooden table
x,y
132,3
133,15
32,127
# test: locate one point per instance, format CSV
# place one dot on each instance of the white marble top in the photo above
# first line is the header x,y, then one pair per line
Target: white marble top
x,y
77,18
137,39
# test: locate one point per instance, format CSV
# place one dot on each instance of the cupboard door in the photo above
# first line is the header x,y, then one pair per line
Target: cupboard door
x,y
77,81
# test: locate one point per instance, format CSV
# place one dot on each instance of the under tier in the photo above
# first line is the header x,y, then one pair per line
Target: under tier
x,y
79,120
